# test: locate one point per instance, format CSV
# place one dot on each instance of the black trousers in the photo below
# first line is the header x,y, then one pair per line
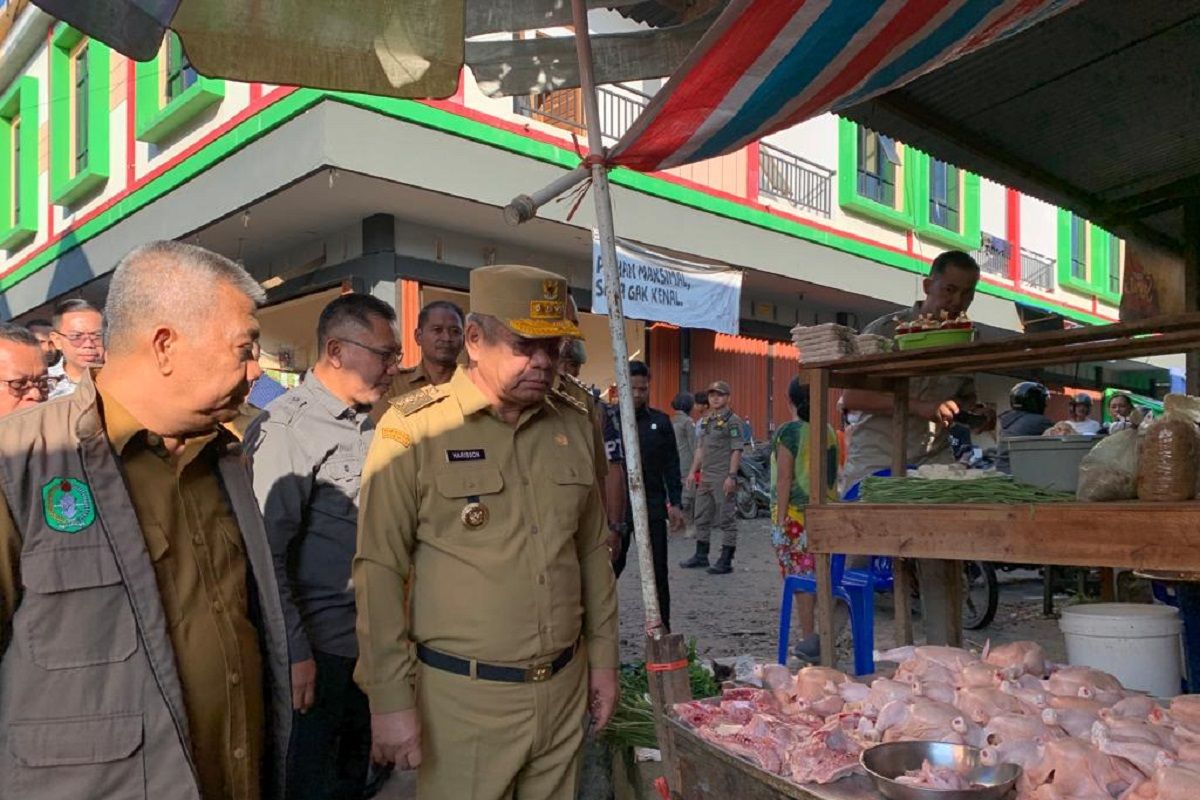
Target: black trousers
x,y
658,546
330,746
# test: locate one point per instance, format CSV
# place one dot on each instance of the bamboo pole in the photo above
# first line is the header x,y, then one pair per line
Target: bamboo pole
x,y
664,652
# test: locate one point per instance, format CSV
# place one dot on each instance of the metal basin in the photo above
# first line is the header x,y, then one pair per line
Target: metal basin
x,y
885,762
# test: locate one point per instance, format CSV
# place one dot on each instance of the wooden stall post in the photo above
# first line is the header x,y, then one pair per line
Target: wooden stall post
x,y
1191,283
901,588
818,480
667,687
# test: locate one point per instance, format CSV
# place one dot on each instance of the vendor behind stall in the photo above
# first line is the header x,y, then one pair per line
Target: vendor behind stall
x,y
1080,418
1026,417
933,402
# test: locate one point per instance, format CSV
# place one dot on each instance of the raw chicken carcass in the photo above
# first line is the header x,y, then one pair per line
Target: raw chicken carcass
x,y
1136,706
1086,682
934,690
1146,756
951,658
1018,658
881,692
980,675
1074,722
816,690
1071,769
1034,698
1124,729
1170,782
980,705
1005,728
942,779
921,720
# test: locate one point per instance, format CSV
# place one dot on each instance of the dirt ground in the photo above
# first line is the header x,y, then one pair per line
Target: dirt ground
x,y
738,614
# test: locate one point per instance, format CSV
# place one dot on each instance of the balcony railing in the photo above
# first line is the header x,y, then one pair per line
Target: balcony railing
x,y
992,255
799,181
619,107
1037,270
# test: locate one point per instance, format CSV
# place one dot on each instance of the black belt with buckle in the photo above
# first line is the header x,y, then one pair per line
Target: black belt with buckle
x,y
492,672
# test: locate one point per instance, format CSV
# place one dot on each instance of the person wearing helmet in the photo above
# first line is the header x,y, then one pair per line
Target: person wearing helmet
x,y
1080,415
1026,417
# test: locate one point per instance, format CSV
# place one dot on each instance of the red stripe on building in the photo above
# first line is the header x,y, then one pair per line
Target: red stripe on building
x,y
714,76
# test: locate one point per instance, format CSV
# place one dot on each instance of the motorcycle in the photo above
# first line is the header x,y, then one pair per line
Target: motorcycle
x,y
752,497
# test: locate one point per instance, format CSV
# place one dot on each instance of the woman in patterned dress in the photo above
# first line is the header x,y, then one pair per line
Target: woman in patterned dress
x,y
790,482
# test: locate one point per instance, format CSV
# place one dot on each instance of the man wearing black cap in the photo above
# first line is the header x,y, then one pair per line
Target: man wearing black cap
x,y
718,455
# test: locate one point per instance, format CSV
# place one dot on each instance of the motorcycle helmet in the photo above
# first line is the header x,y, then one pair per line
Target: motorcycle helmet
x,y
1029,396
1082,400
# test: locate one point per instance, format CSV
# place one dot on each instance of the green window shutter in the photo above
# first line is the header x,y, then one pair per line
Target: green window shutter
x,y
170,95
19,123
867,184
955,195
79,157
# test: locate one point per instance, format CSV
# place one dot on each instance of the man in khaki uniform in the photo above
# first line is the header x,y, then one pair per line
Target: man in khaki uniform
x,y
439,335
480,505
718,456
933,402
144,653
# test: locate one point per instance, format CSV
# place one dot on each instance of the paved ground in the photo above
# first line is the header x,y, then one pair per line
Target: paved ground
x,y
736,614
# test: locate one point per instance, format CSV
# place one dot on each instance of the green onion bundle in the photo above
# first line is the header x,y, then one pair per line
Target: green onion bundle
x,y
998,489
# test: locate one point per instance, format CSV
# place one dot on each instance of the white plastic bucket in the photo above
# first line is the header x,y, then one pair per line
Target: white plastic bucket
x,y
1136,642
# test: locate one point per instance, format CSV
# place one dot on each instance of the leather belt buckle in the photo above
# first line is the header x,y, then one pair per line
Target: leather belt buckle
x,y
540,673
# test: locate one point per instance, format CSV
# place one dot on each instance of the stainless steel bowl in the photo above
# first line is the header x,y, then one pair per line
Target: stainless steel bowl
x,y
886,762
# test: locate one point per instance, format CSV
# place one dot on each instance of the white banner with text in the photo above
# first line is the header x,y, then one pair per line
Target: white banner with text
x,y
660,288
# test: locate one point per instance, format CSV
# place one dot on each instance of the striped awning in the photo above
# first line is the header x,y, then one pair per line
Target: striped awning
x,y
766,65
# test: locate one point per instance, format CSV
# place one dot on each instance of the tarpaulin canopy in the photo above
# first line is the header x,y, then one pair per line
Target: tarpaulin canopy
x,y
401,48
766,65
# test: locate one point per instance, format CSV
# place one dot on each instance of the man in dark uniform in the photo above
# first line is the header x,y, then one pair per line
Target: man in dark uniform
x,y
660,473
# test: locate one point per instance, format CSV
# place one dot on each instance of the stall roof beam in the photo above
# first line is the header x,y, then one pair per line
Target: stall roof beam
x,y
1091,110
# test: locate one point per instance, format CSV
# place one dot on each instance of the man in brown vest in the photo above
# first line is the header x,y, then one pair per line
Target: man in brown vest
x,y
142,646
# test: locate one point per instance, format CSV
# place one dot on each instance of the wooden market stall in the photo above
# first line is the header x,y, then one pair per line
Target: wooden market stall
x,y
1134,534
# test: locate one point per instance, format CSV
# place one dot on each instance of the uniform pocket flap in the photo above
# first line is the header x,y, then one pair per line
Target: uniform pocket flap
x,y
470,482
63,569
66,742
574,475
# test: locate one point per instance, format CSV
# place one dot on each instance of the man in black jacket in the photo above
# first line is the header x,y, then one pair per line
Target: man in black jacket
x,y
660,471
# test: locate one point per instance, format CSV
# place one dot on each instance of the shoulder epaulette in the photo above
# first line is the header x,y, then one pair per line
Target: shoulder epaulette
x,y
417,399
569,400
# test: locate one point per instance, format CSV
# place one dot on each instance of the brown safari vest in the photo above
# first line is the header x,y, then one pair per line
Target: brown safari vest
x,y
90,700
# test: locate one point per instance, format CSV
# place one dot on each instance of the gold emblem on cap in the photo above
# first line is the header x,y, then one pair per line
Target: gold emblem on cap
x,y
475,515
560,439
550,289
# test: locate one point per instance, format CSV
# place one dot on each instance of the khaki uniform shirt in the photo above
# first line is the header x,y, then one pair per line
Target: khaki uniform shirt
x,y
516,583
581,395
721,433
407,380
685,441
195,546
870,435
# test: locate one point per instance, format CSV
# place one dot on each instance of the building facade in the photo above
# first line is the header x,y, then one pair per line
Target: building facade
x,y
319,192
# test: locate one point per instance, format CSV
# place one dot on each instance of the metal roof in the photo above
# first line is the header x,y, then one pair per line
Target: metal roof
x,y
664,13
1093,110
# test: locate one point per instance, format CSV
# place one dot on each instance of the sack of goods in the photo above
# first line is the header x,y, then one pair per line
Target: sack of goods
x,y
1167,457
826,342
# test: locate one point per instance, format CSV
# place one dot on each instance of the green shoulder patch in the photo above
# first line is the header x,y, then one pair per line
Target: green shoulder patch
x,y
417,399
67,505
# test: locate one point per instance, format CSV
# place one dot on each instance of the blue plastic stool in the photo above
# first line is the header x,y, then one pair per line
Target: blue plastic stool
x,y
855,587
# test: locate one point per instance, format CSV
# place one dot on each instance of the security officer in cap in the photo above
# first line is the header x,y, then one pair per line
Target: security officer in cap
x,y
718,456
487,618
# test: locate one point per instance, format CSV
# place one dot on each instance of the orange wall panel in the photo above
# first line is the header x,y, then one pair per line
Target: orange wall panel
x,y
664,364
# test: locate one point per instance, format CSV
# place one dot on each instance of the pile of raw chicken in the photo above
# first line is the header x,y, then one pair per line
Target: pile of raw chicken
x,y
1075,731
